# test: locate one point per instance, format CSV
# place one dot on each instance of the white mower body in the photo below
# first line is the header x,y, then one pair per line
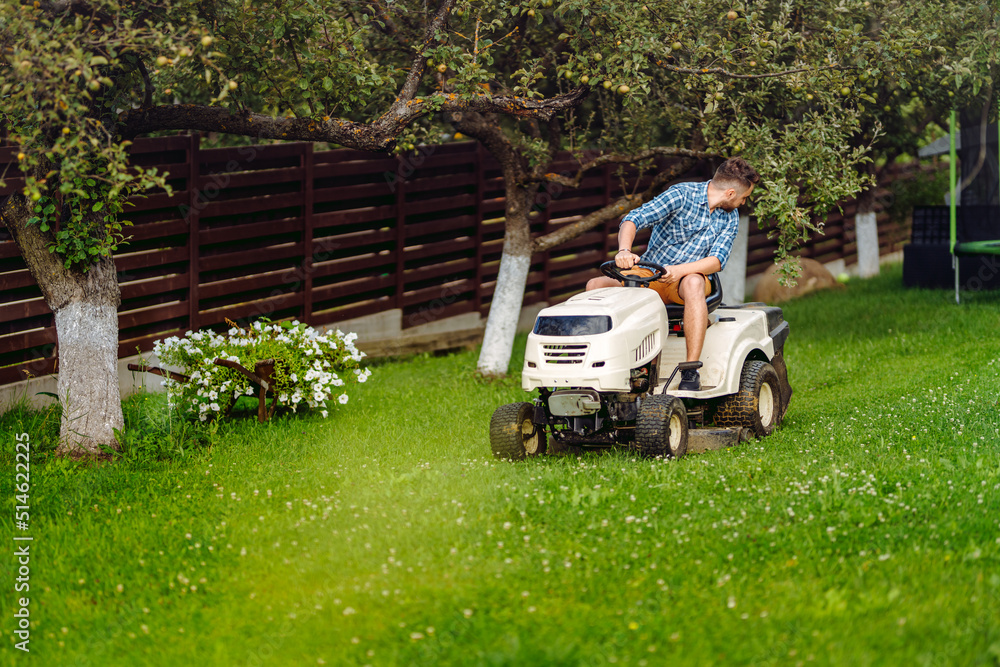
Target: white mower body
x,y
639,334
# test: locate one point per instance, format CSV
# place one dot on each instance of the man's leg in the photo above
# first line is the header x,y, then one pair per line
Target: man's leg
x,y
692,290
603,281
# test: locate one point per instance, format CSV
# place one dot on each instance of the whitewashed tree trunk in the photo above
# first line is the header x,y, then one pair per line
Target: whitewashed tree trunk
x,y
85,304
866,227
501,325
88,376
734,276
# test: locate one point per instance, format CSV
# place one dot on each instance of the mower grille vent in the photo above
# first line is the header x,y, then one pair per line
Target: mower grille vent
x,y
564,354
645,347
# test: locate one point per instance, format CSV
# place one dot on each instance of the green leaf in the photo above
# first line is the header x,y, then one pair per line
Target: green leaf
x,y
98,206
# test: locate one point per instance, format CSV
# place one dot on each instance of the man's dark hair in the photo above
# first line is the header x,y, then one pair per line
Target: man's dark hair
x,y
736,170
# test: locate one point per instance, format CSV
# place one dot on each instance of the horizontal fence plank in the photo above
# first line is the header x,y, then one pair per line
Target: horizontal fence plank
x,y
24,340
354,216
143,288
349,265
258,307
250,155
461,245
151,314
429,293
340,242
248,257
218,208
155,230
353,286
451,224
20,310
352,311
148,258
249,179
248,283
352,192
241,232
12,280
37,368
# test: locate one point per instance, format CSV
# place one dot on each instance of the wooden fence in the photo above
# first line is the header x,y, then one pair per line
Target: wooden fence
x,y
284,231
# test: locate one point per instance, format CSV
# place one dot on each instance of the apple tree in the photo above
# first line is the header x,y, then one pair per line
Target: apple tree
x,y
80,79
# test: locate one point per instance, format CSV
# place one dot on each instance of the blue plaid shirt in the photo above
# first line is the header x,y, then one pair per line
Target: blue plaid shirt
x,y
684,230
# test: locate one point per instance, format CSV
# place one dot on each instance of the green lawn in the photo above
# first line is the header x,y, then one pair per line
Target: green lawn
x,y
865,531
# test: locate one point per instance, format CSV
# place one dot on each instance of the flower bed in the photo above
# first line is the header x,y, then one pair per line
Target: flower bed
x,y
293,363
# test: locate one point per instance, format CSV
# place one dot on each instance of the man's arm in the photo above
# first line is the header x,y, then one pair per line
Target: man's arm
x,y
657,210
706,266
625,258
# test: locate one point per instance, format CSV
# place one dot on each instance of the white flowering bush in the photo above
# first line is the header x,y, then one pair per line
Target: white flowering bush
x,y
311,369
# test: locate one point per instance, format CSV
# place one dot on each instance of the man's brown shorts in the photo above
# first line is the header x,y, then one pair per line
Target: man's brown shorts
x,y
667,291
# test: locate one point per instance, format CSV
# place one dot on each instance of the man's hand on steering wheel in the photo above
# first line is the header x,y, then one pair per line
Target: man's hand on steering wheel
x,y
626,259
668,275
611,270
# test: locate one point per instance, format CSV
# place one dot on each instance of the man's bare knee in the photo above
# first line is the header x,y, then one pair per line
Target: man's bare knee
x,y
692,287
598,283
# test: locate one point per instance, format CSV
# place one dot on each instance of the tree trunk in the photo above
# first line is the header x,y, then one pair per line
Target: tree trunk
x,y
505,309
866,230
87,331
85,305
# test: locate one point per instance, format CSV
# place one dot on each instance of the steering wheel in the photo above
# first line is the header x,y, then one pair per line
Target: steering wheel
x,y
611,270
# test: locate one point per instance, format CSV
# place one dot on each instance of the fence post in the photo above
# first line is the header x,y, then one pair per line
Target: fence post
x,y
400,237
480,193
308,200
546,215
607,201
194,228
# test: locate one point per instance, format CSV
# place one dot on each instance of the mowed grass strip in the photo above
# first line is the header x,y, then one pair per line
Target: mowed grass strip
x,y
865,531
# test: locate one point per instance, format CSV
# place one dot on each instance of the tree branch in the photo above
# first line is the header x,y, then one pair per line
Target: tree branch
x,y
379,135
733,75
620,158
614,210
420,61
147,96
389,27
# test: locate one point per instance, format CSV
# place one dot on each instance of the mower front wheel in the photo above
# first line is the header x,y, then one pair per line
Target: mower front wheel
x,y
757,405
513,435
662,427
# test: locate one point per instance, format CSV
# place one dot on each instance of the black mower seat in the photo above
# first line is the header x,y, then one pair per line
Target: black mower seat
x,y
675,312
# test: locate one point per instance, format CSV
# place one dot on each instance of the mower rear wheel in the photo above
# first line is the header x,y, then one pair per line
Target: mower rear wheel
x,y
757,405
513,435
662,427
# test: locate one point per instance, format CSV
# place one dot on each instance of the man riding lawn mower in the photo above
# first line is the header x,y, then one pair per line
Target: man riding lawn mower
x,y
601,359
